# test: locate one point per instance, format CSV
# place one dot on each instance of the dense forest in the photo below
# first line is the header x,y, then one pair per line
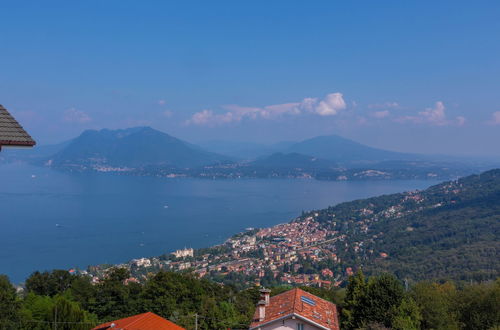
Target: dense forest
x,y
449,231
67,301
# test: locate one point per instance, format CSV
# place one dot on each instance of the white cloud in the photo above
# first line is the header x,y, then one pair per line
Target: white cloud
x,y
209,118
380,114
167,113
331,105
162,102
495,118
201,118
435,116
385,105
73,115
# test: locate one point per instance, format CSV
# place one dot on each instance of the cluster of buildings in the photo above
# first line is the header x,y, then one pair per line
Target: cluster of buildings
x,y
279,252
315,249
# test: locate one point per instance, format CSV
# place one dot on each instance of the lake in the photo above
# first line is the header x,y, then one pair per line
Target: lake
x,y
50,219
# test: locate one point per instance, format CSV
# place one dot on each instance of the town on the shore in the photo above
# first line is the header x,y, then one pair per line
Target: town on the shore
x,y
256,254
309,250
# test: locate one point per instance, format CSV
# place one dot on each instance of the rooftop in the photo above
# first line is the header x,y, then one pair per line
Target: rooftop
x,y
302,304
145,321
11,133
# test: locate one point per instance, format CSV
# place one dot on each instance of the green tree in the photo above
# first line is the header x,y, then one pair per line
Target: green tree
x,y
83,291
36,311
245,302
478,306
407,316
42,312
163,293
9,304
113,298
383,297
70,315
437,305
49,283
353,311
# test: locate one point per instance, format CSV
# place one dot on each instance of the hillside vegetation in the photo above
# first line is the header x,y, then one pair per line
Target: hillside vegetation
x,y
451,230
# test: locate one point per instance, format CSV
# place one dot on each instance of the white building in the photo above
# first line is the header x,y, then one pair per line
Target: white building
x,y
183,253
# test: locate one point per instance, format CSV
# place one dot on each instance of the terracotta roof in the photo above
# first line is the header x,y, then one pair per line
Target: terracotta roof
x,y
302,305
145,321
11,133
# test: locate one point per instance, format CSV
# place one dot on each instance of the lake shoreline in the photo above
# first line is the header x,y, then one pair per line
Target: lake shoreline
x,y
65,220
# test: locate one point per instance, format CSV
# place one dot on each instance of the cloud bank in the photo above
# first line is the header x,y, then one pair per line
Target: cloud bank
x,y
435,116
330,105
385,105
73,115
495,118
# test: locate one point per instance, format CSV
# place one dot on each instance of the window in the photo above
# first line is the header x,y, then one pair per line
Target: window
x,y
308,301
300,326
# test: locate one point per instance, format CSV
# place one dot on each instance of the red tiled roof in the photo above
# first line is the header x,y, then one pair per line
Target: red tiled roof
x,y
322,313
145,321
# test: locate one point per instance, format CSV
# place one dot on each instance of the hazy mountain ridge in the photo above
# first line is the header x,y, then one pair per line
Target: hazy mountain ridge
x,y
339,149
329,147
133,147
245,151
146,151
292,160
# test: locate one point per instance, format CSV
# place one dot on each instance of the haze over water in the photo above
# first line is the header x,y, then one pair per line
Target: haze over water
x,y
50,219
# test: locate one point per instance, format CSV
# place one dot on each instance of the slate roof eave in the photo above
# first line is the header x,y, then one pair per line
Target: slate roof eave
x,y
11,132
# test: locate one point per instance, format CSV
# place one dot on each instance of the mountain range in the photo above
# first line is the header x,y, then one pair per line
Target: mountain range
x,y
142,146
331,147
150,151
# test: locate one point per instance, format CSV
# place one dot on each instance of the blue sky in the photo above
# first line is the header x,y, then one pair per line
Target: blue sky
x,y
420,76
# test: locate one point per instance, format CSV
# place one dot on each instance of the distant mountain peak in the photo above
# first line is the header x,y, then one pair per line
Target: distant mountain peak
x,y
343,150
132,147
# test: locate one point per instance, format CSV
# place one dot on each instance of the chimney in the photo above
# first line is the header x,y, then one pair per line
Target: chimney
x,y
261,306
265,295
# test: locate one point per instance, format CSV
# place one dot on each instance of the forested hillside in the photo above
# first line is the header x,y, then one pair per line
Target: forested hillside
x,y
451,230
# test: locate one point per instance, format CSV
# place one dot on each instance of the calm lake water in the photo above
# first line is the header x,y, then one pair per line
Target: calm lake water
x,y
50,219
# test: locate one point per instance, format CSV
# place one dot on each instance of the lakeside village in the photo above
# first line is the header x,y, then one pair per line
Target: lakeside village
x,y
316,249
319,248
284,254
